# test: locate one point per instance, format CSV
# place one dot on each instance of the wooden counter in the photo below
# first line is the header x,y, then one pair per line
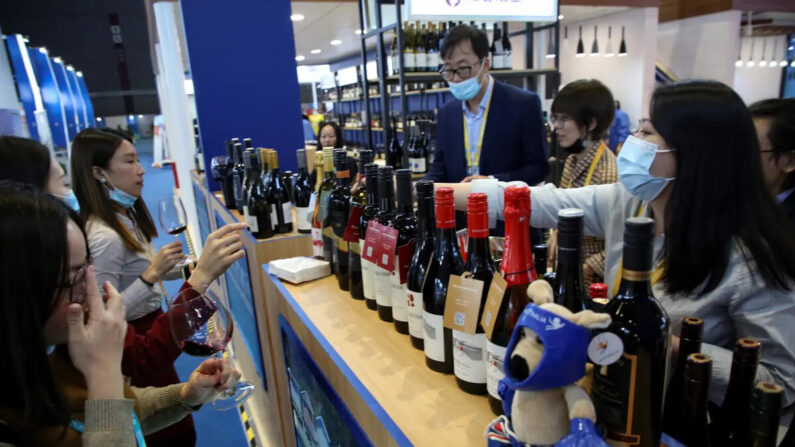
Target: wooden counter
x,y
380,377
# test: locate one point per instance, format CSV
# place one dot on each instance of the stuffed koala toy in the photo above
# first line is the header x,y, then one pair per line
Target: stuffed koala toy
x,y
546,356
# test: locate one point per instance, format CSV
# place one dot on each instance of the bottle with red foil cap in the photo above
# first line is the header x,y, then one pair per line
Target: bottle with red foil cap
x,y
469,363
518,270
447,261
598,293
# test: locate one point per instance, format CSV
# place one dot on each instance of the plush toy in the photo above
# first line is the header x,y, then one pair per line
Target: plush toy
x,y
546,356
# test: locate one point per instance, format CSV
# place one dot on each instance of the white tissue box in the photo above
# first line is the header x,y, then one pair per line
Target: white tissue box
x,y
300,269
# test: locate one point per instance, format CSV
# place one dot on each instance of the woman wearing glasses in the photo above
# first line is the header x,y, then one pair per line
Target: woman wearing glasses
x,y
775,127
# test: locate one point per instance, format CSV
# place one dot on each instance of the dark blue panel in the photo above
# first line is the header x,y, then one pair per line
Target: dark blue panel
x,y
18,53
242,61
201,210
66,98
86,100
50,95
80,110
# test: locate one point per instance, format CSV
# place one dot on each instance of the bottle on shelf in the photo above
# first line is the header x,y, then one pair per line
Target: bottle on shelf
x,y
418,154
432,49
730,425
302,195
393,54
394,153
409,61
339,209
497,57
317,217
438,340
265,173
238,173
383,277
688,426
765,414
257,211
324,192
225,177
198,157
368,215
281,207
423,254
540,259
420,56
355,248
507,61
689,343
569,286
469,360
365,158
518,272
405,222
628,393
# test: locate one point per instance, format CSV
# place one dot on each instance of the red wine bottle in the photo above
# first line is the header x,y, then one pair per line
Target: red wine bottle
x,y
339,211
281,207
689,343
765,413
405,223
438,340
368,215
469,365
423,254
688,422
328,185
518,270
257,211
569,287
383,277
238,172
730,427
302,195
355,254
628,393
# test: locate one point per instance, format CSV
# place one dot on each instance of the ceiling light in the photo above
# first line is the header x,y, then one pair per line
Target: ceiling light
x,y
140,116
560,17
70,68
357,32
315,51
57,60
297,17
79,74
336,42
622,48
99,120
580,46
131,117
595,45
43,50
609,49
299,58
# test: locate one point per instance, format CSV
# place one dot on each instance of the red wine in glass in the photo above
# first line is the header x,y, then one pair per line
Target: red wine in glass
x,y
171,214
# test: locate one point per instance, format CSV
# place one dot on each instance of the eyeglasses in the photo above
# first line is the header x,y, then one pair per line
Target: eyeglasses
x,y
463,72
559,118
77,286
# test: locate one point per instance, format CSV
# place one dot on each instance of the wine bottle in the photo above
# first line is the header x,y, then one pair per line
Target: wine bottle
x,y
507,61
423,254
518,271
628,393
317,217
238,173
469,364
497,62
359,199
265,173
417,154
409,63
789,438
432,49
689,343
302,195
394,153
765,413
365,158
257,211
405,222
383,277
339,210
569,291
438,340
368,215
730,427
393,54
420,60
326,187
225,171
540,258
281,208
688,423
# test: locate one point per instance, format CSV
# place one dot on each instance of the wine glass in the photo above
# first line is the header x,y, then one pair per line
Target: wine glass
x,y
202,326
171,214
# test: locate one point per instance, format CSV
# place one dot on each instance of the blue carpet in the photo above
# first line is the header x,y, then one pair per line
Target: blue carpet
x,y
213,428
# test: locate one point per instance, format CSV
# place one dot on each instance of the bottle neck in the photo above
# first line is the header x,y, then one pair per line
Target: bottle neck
x,y
446,240
687,347
741,381
426,219
636,272
387,201
478,253
517,260
372,194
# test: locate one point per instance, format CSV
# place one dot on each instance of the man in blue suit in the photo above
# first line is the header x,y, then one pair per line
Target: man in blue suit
x,y
491,129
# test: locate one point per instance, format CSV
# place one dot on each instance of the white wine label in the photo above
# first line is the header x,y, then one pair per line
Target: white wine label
x,y
434,336
287,210
408,61
274,216
420,165
368,276
507,62
497,61
468,359
399,305
303,218
433,61
605,349
317,242
420,61
414,312
383,287
251,221
245,212
495,357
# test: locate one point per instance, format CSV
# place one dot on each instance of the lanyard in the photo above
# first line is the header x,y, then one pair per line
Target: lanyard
x,y
139,433
476,162
592,168
656,275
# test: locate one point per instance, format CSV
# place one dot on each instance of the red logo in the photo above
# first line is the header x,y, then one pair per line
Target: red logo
x,y
453,3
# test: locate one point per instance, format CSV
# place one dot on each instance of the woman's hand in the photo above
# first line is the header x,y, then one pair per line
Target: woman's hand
x,y
222,249
96,341
167,258
211,377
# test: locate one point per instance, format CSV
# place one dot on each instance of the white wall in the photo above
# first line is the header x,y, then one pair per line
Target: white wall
x,y
757,83
703,47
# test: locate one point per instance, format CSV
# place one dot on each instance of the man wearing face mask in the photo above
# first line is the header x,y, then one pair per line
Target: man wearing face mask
x,y
491,129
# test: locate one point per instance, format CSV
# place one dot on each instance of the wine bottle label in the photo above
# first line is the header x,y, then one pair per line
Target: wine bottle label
x,y
303,218
605,349
414,311
495,357
251,221
368,276
394,61
433,61
468,361
613,395
383,287
328,232
339,244
497,61
434,336
408,61
287,210
507,63
399,304
323,206
419,165
420,61
317,242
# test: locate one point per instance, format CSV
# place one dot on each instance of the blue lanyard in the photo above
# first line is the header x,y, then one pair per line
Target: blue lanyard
x,y
139,433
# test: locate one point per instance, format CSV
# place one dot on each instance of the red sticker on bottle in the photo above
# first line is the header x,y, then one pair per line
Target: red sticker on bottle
x,y
371,241
352,229
405,253
385,247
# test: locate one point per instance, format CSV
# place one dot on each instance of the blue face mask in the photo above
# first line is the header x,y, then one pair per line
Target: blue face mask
x,y
125,200
70,199
634,162
466,90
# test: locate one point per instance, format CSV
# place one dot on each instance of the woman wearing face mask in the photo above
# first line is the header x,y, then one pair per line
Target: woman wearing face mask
x,y
77,395
723,249
581,114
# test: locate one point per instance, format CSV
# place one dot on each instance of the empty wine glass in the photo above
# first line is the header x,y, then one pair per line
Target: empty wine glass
x,y
171,214
202,326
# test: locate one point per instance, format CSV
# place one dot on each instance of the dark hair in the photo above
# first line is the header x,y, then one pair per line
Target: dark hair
x,y
337,132
781,113
34,262
584,100
95,147
25,161
719,196
479,39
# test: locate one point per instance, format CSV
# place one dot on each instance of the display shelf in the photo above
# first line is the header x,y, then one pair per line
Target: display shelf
x,y
433,76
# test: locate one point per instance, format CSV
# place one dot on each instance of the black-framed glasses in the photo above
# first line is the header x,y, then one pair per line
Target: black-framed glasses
x,y
77,285
463,72
559,118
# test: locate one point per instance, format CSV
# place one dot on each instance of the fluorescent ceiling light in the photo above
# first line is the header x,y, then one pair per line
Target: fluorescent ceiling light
x,y
297,17
357,32
70,68
57,60
99,119
79,74
299,58
140,116
43,50
336,42
315,51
